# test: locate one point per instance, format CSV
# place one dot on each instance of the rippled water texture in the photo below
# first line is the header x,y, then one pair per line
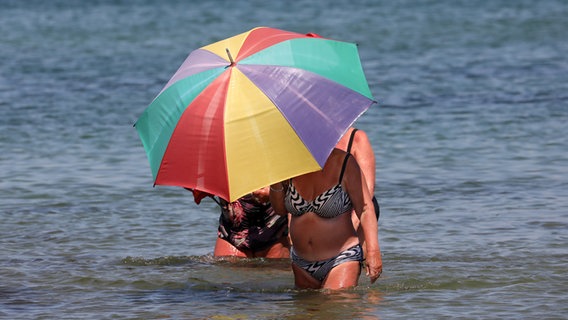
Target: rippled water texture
x,y
470,137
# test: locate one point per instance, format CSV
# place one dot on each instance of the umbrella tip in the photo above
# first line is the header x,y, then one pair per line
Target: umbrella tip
x,y
230,57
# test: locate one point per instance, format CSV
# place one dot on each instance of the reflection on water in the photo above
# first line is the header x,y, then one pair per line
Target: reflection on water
x,y
358,303
263,287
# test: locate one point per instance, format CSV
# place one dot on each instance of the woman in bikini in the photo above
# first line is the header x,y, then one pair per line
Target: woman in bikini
x,y
249,227
326,252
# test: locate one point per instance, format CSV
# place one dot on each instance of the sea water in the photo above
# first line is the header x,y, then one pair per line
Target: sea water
x,y
469,132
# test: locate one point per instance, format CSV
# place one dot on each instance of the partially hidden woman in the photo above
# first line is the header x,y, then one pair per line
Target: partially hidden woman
x,y
249,228
326,253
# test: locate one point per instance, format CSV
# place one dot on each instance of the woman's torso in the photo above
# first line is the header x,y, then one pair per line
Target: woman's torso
x,y
248,224
323,235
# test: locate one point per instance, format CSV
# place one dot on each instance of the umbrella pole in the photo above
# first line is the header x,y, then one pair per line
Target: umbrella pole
x,y
217,201
230,57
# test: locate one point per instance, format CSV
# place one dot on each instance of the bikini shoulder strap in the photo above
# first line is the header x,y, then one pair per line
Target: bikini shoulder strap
x,y
351,140
343,167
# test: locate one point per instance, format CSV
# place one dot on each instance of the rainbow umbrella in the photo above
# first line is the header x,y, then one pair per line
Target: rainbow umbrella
x,y
251,110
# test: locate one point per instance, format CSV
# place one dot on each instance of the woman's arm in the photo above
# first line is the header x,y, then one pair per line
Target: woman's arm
x,y
276,196
365,156
362,202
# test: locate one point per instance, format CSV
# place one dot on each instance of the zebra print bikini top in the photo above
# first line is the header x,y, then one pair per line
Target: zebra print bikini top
x,y
330,204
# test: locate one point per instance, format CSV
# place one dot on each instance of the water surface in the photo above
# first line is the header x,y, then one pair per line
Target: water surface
x,y
469,134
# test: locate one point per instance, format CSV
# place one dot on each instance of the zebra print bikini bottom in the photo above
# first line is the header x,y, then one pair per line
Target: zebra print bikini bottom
x,y
320,269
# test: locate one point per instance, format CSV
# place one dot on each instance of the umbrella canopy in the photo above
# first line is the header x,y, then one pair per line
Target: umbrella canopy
x,y
253,109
